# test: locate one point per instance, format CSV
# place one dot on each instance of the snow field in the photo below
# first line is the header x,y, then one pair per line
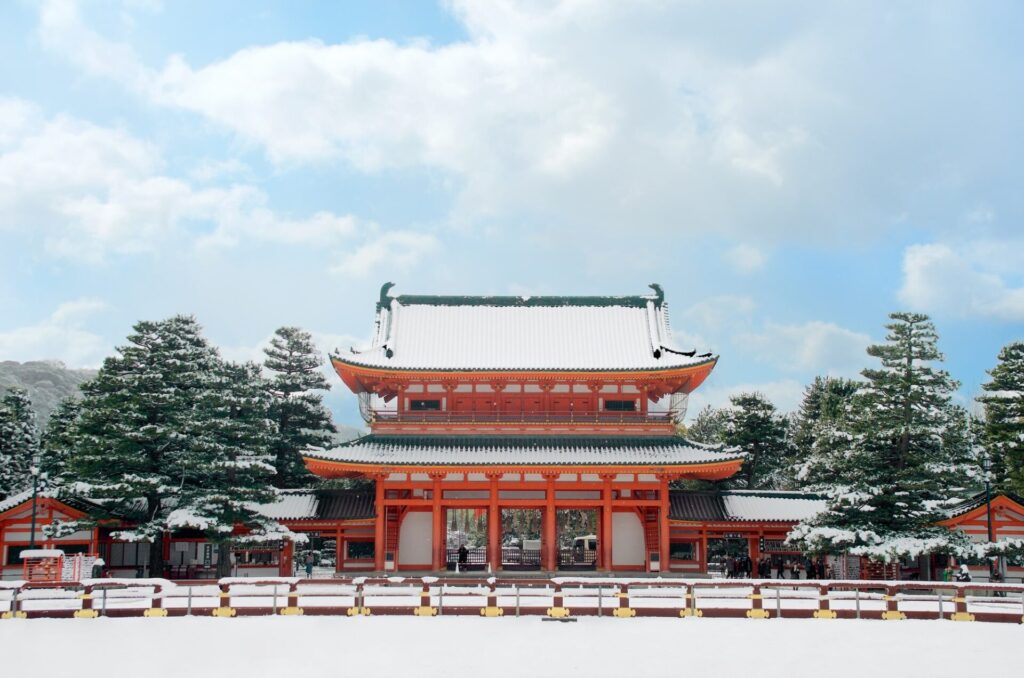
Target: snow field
x,y
445,646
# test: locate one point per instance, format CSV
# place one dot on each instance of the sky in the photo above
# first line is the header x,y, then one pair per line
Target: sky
x,y
789,172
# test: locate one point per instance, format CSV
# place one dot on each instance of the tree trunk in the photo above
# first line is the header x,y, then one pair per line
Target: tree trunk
x,y
223,560
156,556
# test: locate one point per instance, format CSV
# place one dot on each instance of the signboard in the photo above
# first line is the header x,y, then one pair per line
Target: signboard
x,y
207,555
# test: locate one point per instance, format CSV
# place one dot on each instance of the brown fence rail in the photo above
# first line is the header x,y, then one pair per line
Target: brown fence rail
x,y
558,597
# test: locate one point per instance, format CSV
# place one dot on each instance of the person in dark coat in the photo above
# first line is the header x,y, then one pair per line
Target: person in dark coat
x,y
964,574
463,555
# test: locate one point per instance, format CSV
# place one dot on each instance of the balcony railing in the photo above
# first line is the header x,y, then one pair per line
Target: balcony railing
x,y
441,417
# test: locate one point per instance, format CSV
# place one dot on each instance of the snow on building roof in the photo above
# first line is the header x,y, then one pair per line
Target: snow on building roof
x,y
15,499
523,333
291,505
42,553
320,505
782,506
745,506
522,450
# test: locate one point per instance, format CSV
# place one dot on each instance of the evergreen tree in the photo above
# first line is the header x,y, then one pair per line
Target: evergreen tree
x,y
901,457
138,426
19,442
231,464
708,426
1003,433
297,407
58,442
754,426
821,436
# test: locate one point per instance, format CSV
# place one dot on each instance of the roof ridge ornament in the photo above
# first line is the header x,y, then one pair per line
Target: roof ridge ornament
x,y
385,299
659,294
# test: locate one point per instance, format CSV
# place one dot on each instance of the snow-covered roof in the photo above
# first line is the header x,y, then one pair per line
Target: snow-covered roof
x,y
15,499
291,505
42,553
522,451
745,506
787,506
523,333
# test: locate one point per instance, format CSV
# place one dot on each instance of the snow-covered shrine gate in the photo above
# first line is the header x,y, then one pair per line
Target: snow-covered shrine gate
x,y
545,403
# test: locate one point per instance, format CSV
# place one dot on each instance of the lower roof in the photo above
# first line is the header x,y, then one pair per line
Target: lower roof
x,y
527,451
744,506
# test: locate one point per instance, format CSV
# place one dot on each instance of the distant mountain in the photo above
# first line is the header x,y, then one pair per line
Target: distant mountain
x,y
47,382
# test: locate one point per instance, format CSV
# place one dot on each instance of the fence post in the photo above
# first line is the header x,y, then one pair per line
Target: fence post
x,y
756,610
856,601
225,609
892,610
492,609
961,613
87,611
425,609
359,609
623,610
778,603
824,611
558,609
103,610
188,603
517,600
690,603
14,612
942,614
600,600
292,605
156,603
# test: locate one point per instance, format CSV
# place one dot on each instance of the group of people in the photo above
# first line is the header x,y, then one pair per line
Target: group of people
x,y
778,568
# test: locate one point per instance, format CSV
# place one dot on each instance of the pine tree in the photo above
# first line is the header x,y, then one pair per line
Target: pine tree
x,y
138,426
297,407
754,426
1003,433
901,455
19,442
58,442
708,426
232,466
821,435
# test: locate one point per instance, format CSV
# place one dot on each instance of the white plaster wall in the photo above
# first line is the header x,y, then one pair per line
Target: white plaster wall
x,y
627,539
415,539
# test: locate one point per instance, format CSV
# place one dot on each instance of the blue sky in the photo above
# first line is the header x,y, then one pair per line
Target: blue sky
x,y
789,172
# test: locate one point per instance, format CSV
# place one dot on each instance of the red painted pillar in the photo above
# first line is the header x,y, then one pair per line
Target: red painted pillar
x,y
494,524
439,541
378,528
549,541
663,527
606,522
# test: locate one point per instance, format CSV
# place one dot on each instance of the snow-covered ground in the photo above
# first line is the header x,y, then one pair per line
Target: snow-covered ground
x,y
461,646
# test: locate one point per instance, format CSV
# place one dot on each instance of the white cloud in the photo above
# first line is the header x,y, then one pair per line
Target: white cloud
x,y
814,346
396,249
62,336
596,114
88,191
785,394
745,258
716,313
981,279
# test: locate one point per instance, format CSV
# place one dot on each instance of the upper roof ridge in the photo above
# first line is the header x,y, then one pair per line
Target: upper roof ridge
x,y
633,301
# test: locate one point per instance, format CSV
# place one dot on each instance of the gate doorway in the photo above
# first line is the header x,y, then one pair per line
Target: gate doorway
x,y
466,541
729,557
578,543
521,544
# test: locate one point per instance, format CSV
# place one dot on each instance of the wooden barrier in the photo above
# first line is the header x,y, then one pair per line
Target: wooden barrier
x,y
637,597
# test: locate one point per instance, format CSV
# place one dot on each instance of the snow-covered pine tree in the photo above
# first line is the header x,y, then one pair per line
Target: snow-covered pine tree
x,y
137,427
821,435
19,441
896,475
58,442
708,426
754,426
1004,418
297,407
232,463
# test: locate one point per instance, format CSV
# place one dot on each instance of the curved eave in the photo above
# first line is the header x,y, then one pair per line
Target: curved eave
x,y
714,470
355,375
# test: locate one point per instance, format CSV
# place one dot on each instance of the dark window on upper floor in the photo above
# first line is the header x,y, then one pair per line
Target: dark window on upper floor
x,y
620,405
421,405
